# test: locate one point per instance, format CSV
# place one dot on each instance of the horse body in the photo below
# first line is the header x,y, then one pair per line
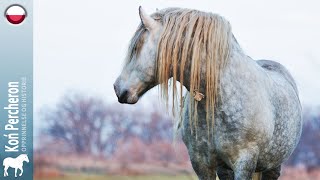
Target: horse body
x,y
250,118
16,163
263,126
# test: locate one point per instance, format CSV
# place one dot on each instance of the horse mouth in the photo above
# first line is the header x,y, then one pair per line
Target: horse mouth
x,y
128,99
127,102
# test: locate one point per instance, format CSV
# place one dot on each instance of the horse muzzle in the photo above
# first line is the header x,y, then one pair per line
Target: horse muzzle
x,y
124,95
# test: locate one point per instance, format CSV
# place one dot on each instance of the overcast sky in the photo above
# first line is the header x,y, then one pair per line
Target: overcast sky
x,y
80,45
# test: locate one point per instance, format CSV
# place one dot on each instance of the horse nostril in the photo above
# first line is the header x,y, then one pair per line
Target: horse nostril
x,y
123,96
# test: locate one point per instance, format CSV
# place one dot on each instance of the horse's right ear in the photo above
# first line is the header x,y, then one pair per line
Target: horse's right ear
x,y
147,21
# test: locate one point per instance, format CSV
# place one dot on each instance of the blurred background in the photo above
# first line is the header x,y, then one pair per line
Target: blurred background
x,y
82,132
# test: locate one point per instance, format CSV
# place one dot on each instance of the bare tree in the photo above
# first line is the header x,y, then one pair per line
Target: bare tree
x,y
79,121
86,125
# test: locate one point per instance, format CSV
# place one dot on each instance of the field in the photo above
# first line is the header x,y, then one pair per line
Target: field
x,y
93,177
288,174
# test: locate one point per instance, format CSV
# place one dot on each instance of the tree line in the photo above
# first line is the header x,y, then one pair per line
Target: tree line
x,y
80,124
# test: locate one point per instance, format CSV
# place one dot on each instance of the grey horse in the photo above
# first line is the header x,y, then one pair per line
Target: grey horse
x,y
248,117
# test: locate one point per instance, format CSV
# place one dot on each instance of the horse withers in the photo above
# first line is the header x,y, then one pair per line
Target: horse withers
x,y
239,115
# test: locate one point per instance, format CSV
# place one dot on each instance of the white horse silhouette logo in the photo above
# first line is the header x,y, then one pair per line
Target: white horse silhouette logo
x,y
16,163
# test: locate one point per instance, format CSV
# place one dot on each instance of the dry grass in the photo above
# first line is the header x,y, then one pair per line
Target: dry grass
x,y
94,177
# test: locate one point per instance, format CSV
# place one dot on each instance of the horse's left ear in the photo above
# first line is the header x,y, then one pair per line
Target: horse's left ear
x,y
147,21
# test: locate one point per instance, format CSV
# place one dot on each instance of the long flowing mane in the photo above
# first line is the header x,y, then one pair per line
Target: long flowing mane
x,y
191,40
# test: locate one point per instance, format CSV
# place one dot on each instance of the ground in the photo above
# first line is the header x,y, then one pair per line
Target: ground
x,y
92,177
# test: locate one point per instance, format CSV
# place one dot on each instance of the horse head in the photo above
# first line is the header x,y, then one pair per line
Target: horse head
x,y
139,73
24,157
189,46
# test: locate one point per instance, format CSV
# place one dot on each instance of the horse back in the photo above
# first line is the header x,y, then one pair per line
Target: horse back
x,y
6,160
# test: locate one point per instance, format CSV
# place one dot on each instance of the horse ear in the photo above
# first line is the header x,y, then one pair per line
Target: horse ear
x,y
147,21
